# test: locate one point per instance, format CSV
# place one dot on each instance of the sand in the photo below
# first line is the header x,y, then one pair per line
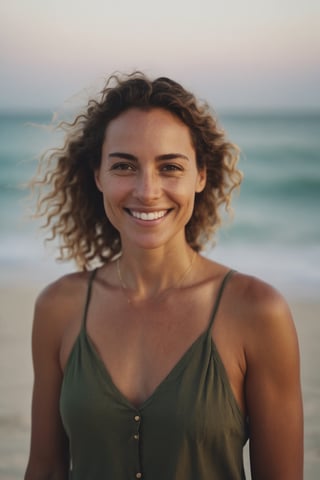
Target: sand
x,y
17,302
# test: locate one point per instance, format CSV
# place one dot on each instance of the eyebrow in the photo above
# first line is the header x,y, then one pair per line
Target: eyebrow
x,y
165,156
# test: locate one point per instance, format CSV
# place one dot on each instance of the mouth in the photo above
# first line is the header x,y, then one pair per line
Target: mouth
x,y
147,216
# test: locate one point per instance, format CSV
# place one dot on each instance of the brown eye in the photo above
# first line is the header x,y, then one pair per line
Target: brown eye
x,y
172,168
123,166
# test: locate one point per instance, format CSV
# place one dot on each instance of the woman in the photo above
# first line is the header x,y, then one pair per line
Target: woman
x,y
160,363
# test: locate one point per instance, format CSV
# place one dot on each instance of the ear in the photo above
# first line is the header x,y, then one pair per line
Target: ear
x,y
97,179
201,180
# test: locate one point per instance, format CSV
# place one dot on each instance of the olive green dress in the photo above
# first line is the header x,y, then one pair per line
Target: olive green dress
x,y
190,428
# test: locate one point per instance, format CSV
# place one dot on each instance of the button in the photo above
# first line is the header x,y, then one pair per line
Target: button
x,y
136,436
138,475
137,419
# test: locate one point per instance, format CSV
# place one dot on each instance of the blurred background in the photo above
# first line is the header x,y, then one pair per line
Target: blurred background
x,y
256,63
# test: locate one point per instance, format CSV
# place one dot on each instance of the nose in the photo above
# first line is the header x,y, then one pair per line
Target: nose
x,y
147,187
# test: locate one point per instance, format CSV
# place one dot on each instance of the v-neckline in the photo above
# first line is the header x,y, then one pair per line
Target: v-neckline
x,y
177,367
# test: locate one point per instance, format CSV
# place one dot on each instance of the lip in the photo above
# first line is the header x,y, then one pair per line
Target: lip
x,y
147,215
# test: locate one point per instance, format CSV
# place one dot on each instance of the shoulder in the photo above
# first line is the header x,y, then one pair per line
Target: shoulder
x,y
264,316
63,291
259,297
246,297
59,304
245,293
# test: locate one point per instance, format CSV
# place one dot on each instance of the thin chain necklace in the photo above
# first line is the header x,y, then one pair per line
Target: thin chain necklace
x,y
124,287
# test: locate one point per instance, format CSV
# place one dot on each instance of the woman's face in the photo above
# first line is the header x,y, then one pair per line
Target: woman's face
x,y
148,176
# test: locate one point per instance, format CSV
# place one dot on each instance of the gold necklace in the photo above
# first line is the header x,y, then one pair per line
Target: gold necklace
x,y
124,287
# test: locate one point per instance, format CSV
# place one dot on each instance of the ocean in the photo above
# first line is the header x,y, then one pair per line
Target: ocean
x,y
275,230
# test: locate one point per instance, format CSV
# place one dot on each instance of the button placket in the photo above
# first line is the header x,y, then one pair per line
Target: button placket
x,y
137,419
136,439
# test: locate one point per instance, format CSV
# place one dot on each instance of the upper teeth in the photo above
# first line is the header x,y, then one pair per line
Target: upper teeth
x,y
148,215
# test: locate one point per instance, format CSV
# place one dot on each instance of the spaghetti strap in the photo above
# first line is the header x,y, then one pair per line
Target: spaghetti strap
x,y
219,296
88,297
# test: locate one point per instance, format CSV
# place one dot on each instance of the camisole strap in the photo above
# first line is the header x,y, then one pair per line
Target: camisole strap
x,y
219,296
88,297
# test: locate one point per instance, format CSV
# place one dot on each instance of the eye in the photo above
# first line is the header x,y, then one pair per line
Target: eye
x,y
172,167
123,167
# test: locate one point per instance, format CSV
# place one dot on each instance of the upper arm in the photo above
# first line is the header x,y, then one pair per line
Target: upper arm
x,y
273,392
49,446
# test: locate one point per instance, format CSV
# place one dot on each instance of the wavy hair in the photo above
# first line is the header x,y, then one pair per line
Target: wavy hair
x,y
66,193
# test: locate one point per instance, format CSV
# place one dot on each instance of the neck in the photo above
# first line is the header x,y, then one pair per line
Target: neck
x,y
149,276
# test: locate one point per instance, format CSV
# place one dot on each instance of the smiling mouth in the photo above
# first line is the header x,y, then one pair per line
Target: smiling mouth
x,y
148,216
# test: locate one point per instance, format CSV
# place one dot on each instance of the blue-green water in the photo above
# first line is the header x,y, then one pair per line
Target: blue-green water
x,y
275,233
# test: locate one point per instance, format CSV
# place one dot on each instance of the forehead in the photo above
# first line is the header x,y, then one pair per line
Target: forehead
x,y
155,124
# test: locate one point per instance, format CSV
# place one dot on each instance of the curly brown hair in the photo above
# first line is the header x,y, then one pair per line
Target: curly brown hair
x,y
72,205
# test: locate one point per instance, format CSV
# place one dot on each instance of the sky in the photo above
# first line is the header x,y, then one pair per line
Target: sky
x,y
236,54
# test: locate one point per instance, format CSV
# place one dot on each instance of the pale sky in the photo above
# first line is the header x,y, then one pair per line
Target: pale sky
x,y
234,53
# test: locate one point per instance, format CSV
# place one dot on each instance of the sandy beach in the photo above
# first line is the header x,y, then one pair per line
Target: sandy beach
x,y
17,300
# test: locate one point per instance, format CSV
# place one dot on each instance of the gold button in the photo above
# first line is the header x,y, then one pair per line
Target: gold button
x,y
137,418
136,436
138,475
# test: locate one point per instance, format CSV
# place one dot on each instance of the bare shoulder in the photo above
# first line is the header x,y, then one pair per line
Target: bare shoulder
x,y
248,301
257,300
63,293
59,303
264,315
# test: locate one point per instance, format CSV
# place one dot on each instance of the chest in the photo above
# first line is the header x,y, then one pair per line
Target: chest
x,y
139,347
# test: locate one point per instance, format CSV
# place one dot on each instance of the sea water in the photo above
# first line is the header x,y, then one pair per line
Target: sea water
x,y
275,232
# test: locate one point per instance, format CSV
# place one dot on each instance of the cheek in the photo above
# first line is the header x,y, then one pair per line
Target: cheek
x,y
110,186
110,207
185,197
114,193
